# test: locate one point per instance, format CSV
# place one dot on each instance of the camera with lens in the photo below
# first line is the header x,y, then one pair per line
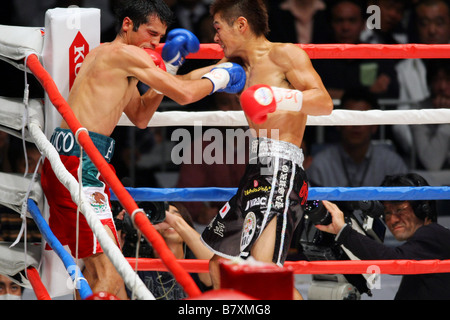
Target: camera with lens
x,y
316,212
364,216
155,212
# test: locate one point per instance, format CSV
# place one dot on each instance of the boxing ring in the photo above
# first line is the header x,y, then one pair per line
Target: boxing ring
x,y
44,52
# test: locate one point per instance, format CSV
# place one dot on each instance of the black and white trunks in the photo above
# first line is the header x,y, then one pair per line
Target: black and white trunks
x,y
274,185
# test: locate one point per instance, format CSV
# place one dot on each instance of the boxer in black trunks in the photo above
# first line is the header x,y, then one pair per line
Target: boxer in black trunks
x,y
282,89
274,186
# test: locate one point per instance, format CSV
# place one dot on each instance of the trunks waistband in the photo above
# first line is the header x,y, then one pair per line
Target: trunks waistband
x,y
64,142
266,147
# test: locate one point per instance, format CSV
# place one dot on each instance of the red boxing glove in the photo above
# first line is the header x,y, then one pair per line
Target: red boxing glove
x,y
156,57
257,101
260,99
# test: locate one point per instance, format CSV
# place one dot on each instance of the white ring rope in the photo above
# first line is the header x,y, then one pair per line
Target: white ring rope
x,y
337,118
111,250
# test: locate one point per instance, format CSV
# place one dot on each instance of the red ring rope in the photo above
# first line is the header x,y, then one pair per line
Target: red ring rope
x,y
38,287
114,183
345,51
399,267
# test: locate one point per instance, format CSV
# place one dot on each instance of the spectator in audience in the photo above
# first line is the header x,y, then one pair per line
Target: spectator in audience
x,y
356,160
189,14
413,222
431,142
347,20
9,290
432,23
297,21
184,242
391,17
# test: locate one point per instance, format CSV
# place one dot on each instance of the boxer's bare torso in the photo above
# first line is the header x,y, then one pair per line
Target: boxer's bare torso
x,y
280,65
103,89
105,86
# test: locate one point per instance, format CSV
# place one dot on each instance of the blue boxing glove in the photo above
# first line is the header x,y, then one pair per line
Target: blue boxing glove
x,y
227,77
179,43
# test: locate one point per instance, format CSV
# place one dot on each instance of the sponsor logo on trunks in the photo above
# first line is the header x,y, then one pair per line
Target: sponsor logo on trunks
x,y
248,230
64,141
219,229
258,189
281,188
260,201
110,151
223,212
303,194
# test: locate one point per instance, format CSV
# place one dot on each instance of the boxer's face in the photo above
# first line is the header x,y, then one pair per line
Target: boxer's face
x,y
226,36
148,35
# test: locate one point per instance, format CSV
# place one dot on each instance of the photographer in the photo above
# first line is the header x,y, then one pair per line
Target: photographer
x,y
411,221
182,239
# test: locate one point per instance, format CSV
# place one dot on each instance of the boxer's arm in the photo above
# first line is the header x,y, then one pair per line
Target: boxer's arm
x,y
141,109
227,77
302,76
140,116
136,63
199,73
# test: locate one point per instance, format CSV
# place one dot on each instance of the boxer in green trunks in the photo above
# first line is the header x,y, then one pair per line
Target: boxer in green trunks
x,y
106,87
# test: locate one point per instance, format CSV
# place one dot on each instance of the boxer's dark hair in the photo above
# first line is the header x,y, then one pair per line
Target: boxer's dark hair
x,y
139,11
255,11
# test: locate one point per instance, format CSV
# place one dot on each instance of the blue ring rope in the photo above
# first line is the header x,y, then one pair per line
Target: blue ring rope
x,y
83,287
322,193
